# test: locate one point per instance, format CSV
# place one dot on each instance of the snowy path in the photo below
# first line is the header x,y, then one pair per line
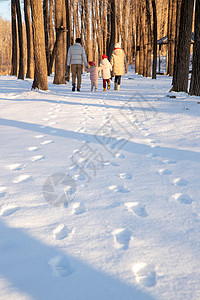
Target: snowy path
x,y
99,192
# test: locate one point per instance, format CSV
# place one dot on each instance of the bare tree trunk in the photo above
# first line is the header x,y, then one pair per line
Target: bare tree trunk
x,y
104,27
171,36
112,23
93,32
154,39
195,79
14,38
20,35
29,37
51,38
46,30
87,30
141,32
108,28
124,28
59,50
68,22
137,59
178,16
149,39
40,75
184,43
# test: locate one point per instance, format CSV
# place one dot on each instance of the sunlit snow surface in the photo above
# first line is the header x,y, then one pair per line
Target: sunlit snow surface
x,y
99,192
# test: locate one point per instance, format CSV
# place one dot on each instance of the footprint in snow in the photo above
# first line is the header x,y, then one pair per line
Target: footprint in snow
x,y
81,129
62,232
119,155
80,176
46,142
165,172
14,167
170,161
32,148
125,176
145,274
152,155
52,123
39,136
37,158
180,182
8,210
53,116
118,188
121,238
136,208
182,198
61,266
78,208
22,178
3,191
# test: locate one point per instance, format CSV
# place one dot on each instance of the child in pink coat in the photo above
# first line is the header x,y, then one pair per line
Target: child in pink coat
x,y
93,70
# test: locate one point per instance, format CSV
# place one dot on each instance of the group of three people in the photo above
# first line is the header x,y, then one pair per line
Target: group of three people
x,y
116,67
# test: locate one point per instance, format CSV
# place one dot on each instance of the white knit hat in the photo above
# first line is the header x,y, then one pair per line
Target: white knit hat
x,y
117,45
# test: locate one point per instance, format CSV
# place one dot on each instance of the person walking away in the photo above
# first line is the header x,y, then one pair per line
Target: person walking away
x,y
94,71
119,64
75,57
106,71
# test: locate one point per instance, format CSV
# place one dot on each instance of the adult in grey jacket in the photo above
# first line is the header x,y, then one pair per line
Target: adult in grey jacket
x,y
75,57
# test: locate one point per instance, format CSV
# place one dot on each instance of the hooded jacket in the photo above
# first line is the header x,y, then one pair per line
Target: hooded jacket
x,y
76,55
106,69
118,61
93,70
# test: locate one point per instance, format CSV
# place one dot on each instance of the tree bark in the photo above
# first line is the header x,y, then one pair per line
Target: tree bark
x,y
20,36
184,43
51,38
195,79
141,33
154,40
40,76
171,36
46,30
178,16
149,39
112,25
14,39
59,51
29,37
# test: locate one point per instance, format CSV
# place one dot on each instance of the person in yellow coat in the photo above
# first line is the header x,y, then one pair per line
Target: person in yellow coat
x,y
119,64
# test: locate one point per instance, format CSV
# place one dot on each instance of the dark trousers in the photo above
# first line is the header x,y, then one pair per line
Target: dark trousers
x,y
118,79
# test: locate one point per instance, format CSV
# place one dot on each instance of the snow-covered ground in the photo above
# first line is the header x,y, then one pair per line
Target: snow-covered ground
x,y
99,192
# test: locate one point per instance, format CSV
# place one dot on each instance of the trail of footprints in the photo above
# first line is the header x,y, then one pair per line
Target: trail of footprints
x,y
179,182
144,274
9,209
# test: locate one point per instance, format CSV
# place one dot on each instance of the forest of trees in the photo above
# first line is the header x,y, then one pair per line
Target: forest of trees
x,y
36,45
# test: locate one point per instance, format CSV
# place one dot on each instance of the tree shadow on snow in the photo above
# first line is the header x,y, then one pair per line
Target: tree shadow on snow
x,y
132,147
40,271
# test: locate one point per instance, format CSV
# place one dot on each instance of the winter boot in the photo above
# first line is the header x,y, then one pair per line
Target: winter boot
x,y
104,89
115,86
108,85
78,90
118,87
73,87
